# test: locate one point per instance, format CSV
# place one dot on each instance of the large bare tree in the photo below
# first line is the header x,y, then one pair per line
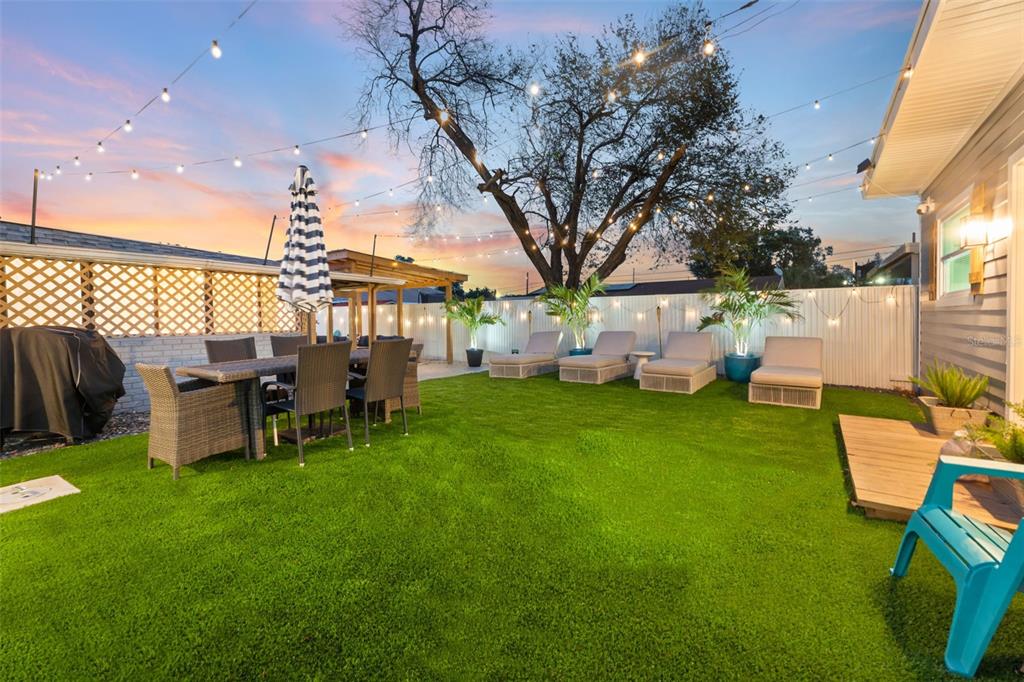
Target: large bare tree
x,y
591,147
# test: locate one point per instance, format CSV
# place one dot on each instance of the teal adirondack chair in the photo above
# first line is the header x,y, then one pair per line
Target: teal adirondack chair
x,y
986,563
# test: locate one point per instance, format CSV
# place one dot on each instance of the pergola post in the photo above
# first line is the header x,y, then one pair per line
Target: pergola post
x,y
449,354
330,320
353,310
359,314
399,312
371,303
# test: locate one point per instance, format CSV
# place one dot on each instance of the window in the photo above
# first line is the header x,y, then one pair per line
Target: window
x,y
955,263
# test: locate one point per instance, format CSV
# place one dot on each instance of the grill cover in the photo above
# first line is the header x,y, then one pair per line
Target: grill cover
x,y
59,380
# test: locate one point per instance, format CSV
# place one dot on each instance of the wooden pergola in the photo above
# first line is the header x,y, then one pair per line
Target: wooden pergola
x,y
413,277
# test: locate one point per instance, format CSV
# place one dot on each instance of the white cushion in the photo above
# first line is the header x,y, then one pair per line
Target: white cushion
x,y
615,343
543,343
792,351
591,361
523,359
689,346
781,375
673,367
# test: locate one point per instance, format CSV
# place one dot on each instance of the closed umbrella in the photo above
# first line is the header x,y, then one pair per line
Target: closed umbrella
x,y
305,279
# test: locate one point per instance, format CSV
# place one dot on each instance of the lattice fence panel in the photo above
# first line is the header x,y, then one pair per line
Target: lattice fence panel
x,y
41,291
135,300
235,308
125,299
180,302
276,315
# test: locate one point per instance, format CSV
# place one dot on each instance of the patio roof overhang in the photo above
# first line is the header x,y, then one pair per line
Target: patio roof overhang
x,y
358,263
965,56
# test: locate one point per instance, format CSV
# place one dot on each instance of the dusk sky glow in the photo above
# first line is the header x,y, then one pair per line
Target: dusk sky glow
x,y
70,72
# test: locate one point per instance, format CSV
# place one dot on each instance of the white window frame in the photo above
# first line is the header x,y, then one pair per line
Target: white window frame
x,y
950,298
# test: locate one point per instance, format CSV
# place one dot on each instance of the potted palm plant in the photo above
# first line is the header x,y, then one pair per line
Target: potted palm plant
x,y
738,308
470,312
952,405
999,440
572,307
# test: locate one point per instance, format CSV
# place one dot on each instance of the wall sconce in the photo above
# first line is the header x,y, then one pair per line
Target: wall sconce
x,y
974,232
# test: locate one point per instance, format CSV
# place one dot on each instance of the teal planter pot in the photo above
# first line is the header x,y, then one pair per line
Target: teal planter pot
x,y
739,367
581,351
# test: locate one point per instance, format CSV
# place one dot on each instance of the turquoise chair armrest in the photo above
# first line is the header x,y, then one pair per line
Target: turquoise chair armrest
x,y
949,469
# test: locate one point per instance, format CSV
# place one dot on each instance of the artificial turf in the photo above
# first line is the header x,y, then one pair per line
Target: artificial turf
x,y
525,529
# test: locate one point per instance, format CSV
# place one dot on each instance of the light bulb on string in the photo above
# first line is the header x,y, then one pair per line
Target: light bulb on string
x,y
661,156
78,162
430,178
709,47
817,104
611,96
746,188
135,174
391,192
48,176
215,50
807,166
443,116
88,177
296,151
180,169
711,196
127,126
908,72
829,157
640,57
165,96
364,134
238,162
357,203
534,89
99,147
57,170
396,211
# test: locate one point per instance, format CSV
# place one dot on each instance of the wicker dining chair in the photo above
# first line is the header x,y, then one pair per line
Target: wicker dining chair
x,y
226,350
191,420
281,387
385,378
321,375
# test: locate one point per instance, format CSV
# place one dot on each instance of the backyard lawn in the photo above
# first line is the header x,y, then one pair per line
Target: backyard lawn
x,y
524,529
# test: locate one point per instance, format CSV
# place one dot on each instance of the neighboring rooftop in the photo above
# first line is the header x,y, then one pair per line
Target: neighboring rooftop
x,y
51,236
667,287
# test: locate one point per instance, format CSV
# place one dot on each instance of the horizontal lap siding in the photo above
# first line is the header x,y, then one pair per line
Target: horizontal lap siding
x,y
973,335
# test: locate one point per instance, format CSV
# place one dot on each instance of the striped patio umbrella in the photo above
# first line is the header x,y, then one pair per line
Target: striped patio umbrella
x,y
305,280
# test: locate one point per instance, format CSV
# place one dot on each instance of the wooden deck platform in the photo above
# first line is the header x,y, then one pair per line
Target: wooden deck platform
x,y
891,464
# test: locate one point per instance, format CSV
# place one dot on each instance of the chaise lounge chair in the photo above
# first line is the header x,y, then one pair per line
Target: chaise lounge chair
x,y
537,358
790,373
685,367
609,361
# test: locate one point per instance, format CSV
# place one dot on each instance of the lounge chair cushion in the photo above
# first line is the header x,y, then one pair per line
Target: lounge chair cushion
x,y
792,351
673,367
689,346
543,343
522,359
782,375
615,343
592,361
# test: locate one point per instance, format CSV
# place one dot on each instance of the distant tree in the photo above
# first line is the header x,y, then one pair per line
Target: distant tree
x,y
404,259
616,144
484,293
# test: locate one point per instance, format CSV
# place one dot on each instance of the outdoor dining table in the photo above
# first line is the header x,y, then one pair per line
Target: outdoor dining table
x,y
247,374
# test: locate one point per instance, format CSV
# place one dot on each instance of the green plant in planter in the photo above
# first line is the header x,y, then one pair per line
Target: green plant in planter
x,y
951,385
471,314
738,308
1006,436
572,306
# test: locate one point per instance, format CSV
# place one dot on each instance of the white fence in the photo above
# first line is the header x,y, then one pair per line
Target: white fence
x,y
869,332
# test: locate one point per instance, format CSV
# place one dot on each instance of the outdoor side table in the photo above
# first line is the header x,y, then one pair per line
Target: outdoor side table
x,y
642,358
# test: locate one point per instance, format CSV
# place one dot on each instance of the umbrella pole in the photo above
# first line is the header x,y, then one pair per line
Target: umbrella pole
x,y
266,254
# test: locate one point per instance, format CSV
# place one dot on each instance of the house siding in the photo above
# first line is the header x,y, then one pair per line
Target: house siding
x,y
973,335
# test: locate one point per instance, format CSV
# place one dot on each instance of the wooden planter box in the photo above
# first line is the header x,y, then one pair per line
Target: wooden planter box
x,y
945,421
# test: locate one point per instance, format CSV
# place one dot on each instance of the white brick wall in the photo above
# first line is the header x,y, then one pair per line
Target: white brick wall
x,y
174,351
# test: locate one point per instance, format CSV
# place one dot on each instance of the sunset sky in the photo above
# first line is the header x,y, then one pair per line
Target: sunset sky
x,y
70,72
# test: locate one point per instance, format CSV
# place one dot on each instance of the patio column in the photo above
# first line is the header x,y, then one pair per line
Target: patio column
x,y
371,315
449,355
359,313
399,313
353,310
330,320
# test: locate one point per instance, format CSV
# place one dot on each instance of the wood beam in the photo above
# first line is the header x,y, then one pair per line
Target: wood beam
x,y
353,310
400,312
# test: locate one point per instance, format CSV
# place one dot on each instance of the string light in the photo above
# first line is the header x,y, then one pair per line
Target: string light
x,y
391,192
830,157
135,174
908,72
817,104
364,134
78,161
296,151
640,57
711,196
746,188
127,126
215,50
238,162
357,203
611,95
430,178
534,89
57,170
99,147
661,156
709,47
180,168
443,116
88,177
165,96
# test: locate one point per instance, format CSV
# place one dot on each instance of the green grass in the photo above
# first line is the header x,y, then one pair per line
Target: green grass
x,y
524,529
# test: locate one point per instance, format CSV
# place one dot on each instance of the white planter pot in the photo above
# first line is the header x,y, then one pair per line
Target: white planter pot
x,y
945,421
